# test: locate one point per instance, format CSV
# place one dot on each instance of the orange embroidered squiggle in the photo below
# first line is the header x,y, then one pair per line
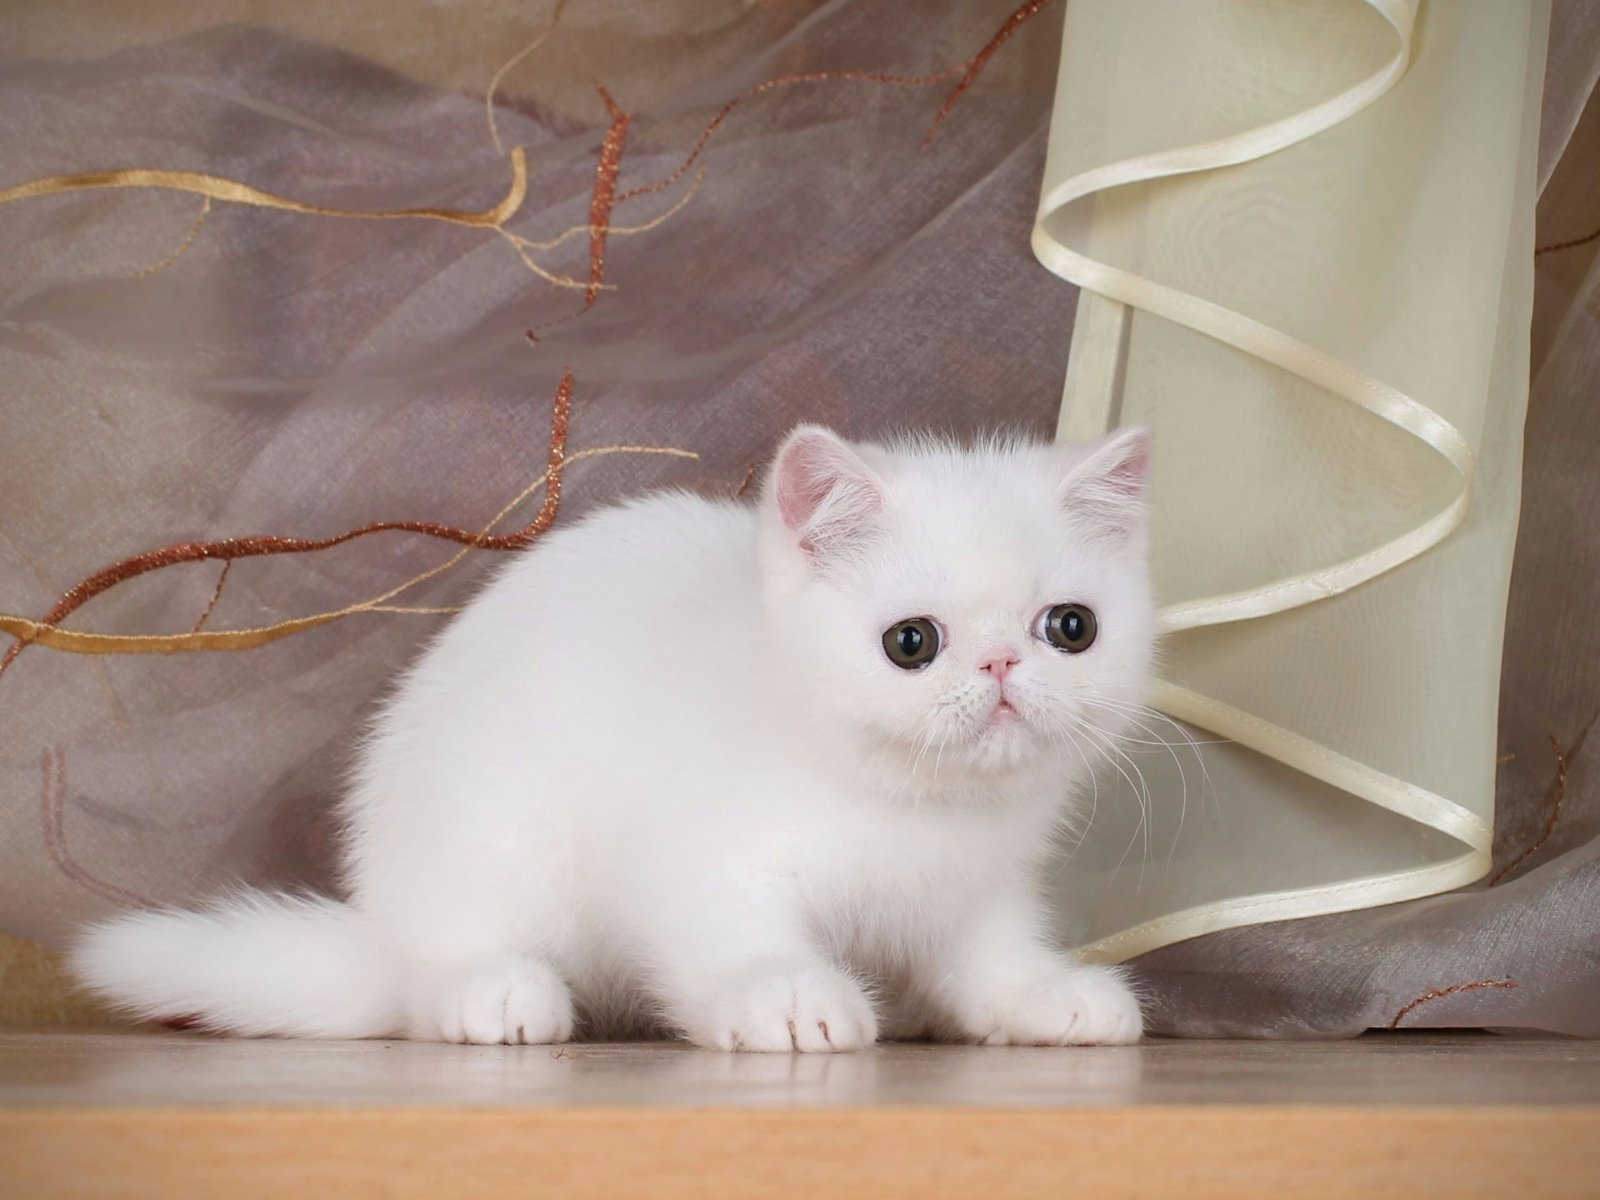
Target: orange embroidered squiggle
x,y
968,69
605,191
978,61
231,549
781,81
75,642
1559,788
600,205
53,828
1440,993
1581,241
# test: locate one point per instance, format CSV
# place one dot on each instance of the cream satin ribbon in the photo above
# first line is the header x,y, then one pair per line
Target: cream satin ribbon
x,y
1341,379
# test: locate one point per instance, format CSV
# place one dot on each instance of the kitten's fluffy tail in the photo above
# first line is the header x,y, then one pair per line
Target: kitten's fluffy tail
x,y
256,965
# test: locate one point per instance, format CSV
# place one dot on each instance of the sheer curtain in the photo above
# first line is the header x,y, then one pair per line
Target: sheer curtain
x,y
239,393
287,300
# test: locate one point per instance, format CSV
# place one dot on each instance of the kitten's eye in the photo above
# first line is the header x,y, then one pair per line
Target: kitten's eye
x,y
911,644
1069,627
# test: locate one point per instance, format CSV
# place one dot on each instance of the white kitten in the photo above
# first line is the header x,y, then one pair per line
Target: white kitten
x,y
767,778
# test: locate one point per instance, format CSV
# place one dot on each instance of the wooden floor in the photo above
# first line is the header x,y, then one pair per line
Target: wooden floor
x,y
172,1115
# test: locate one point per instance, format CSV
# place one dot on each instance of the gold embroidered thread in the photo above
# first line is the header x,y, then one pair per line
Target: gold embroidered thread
x,y
494,82
76,642
227,565
194,232
234,192
263,544
573,231
566,281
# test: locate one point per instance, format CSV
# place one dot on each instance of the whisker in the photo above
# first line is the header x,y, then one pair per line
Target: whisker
x,y
1183,776
922,745
1101,739
1094,784
1188,739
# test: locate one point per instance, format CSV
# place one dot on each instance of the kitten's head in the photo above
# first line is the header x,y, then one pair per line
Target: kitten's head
x,y
970,612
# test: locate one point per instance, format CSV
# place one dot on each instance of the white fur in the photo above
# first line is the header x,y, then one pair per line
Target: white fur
x,y
662,774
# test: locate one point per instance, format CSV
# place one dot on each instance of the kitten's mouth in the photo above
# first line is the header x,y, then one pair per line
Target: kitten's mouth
x,y
1003,713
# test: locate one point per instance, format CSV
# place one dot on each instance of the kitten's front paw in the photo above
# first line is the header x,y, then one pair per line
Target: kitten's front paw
x,y
1075,1006
811,1010
511,1000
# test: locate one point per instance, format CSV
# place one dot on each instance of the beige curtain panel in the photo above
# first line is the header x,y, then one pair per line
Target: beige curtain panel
x,y
1305,238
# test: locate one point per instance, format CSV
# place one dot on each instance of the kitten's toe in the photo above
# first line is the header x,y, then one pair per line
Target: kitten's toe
x,y
812,1011
1077,1006
510,1000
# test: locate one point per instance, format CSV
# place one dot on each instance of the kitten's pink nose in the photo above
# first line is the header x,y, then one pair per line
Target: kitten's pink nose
x,y
999,663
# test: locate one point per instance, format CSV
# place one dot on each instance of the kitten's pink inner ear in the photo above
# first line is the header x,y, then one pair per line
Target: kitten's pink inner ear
x,y
1108,485
826,495
803,482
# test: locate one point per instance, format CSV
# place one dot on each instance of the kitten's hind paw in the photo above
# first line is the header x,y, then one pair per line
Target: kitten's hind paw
x,y
508,1000
811,1010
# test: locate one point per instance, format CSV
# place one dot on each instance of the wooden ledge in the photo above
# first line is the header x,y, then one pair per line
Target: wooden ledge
x,y
154,1115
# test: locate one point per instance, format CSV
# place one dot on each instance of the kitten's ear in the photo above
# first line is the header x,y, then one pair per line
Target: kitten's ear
x,y
1106,487
827,498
